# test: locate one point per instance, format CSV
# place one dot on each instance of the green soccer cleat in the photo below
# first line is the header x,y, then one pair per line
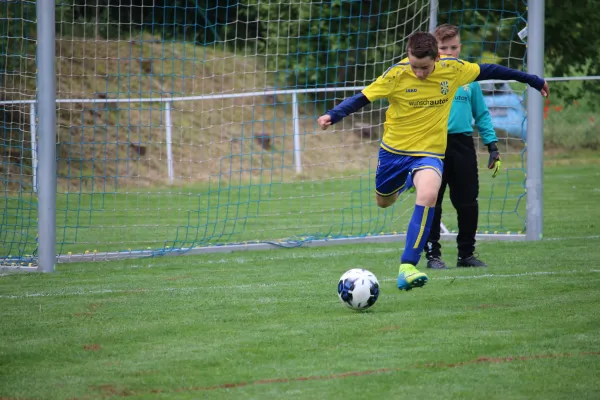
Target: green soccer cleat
x,y
409,277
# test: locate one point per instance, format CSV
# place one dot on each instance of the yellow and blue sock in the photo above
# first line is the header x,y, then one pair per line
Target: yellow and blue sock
x,y
417,234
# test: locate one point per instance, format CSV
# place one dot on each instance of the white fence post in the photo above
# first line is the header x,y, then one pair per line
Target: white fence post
x,y
169,138
296,119
34,158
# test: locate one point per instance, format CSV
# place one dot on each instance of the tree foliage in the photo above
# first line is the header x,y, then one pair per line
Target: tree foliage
x,y
572,44
571,37
200,21
332,42
321,44
489,29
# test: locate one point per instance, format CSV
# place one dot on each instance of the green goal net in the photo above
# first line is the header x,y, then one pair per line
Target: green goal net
x,y
192,124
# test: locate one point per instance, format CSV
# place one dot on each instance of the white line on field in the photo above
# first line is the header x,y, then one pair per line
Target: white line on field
x,y
573,237
287,255
142,290
483,276
295,255
267,285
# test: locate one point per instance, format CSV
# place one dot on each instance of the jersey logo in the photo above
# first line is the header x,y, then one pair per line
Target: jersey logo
x,y
466,87
411,90
444,87
428,103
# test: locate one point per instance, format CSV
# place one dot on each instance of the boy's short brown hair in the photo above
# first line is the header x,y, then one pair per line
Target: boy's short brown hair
x,y
422,44
446,31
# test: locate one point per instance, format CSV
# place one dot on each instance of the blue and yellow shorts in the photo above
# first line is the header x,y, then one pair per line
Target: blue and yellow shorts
x,y
394,171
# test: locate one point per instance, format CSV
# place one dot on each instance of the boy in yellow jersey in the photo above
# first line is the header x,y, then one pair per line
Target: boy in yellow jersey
x,y
420,90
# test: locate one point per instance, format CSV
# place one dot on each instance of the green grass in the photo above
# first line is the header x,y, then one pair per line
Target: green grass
x,y
268,325
573,127
568,125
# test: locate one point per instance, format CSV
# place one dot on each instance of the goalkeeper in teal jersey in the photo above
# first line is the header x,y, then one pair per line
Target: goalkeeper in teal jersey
x,y
460,163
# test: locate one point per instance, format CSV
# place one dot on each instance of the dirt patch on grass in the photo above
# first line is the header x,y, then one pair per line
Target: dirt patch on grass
x,y
114,391
92,308
92,347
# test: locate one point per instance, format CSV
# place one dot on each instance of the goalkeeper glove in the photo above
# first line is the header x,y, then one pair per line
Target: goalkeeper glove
x,y
494,162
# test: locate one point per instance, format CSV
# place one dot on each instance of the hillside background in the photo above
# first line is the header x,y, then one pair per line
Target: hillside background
x,y
107,50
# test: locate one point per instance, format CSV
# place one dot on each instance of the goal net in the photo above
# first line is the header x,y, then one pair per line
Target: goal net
x,y
495,32
18,209
191,125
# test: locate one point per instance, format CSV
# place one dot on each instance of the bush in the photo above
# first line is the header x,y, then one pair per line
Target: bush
x,y
572,127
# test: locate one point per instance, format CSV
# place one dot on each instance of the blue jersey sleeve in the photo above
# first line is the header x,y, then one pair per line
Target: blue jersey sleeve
x,y
481,114
494,71
347,107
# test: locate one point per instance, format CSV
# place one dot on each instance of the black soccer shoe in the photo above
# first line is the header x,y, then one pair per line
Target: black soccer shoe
x,y
436,263
470,261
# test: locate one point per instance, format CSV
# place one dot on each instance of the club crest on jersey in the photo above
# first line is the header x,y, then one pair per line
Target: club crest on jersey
x,y
444,87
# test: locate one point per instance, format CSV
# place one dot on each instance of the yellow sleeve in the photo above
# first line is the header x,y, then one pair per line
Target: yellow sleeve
x,y
467,72
382,87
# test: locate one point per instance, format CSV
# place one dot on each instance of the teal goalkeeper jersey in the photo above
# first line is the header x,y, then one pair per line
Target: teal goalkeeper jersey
x,y
468,104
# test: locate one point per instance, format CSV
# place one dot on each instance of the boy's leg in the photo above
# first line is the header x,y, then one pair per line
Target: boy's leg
x,y
386,201
426,175
390,177
427,182
463,194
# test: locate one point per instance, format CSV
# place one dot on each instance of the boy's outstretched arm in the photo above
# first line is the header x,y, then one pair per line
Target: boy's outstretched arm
x,y
345,108
494,71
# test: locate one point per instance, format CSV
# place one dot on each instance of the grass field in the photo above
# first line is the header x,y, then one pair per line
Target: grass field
x,y
268,325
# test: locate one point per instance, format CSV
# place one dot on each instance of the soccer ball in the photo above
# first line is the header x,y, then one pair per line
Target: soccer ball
x,y
358,289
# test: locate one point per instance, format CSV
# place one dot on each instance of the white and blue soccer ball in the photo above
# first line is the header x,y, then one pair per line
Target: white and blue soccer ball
x,y
358,289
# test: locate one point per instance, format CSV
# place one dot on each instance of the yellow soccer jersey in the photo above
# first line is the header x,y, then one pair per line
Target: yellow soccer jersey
x,y
417,118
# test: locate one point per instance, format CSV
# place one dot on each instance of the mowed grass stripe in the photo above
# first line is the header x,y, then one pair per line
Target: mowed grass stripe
x,y
259,286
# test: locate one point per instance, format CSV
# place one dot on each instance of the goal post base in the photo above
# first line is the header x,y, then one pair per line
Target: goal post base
x,y
10,266
238,247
